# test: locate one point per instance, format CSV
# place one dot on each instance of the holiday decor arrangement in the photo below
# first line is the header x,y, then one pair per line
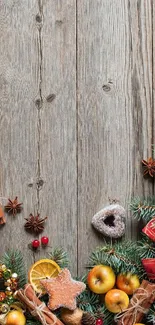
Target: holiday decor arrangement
x,y
118,287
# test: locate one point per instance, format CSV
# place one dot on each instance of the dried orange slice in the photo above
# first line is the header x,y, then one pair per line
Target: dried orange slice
x,y
41,270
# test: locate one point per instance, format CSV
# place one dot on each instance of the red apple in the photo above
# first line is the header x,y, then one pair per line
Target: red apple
x,y
127,282
101,279
116,301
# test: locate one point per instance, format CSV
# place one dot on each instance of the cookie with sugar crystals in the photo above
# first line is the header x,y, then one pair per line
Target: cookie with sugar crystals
x,y
63,290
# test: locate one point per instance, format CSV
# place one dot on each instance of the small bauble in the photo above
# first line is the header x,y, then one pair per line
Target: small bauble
x,y
7,274
14,276
2,296
70,317
4,308
88,319
15,317
8,291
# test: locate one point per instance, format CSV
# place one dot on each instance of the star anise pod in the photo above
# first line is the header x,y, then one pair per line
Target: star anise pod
x,y
149,167
13,206
34,223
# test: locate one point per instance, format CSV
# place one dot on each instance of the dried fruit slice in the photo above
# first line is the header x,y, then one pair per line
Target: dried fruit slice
x,y
41,270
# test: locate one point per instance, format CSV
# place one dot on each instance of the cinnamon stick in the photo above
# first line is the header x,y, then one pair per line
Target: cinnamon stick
x,y
29,298
142,300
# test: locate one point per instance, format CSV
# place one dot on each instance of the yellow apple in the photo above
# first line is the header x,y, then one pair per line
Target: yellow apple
x,y
127,282
116,300
101,279
15,317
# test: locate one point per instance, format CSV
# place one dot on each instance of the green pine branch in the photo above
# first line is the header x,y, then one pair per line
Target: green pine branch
x,y
60,257
32,322
14,261
88,301
122,257
150,317
145,247
143,208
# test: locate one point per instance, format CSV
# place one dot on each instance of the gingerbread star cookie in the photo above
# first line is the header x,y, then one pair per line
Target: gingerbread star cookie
x,y
63,290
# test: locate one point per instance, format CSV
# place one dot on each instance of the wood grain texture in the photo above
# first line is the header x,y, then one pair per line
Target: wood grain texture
x,y
58,195
114,109
18,117
76,117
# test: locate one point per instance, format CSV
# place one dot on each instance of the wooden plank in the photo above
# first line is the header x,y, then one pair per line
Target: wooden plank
x,y
114,109
58,192
18,117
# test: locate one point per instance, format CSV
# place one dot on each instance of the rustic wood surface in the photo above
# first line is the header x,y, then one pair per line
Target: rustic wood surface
x,y
77,115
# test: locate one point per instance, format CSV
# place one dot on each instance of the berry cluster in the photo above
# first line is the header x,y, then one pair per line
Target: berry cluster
x,y
36,242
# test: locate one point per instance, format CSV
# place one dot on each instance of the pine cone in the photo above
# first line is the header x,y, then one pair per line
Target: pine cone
x,y
88,319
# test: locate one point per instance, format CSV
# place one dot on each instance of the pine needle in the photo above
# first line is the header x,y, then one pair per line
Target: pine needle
x,y
14,261
60,257
143,208
121,257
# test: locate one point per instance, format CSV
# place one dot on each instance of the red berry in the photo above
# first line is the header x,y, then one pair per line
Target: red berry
x,y
99,321
35,243
44,240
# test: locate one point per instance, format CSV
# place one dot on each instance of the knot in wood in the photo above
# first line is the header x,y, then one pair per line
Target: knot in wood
x,y
40,183
38,103
106,88
50,98
38,18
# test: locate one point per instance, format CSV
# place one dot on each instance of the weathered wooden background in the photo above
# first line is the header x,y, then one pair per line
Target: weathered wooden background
x,y
76,115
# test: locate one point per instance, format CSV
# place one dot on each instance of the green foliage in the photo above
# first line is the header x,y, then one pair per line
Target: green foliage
x,y
150,317
90,302
143,208
60,257
32,322
14,261
145,248
122,257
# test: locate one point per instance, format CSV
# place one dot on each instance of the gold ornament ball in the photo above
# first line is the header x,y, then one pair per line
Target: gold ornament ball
x,y
3,267
8,283
4,308
14,276
8,291
71,317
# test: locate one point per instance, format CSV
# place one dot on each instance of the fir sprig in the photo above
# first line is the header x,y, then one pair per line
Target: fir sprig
x,y
143,208
14,261
88,301
150,317
122,257
60,256
145,247
32,322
